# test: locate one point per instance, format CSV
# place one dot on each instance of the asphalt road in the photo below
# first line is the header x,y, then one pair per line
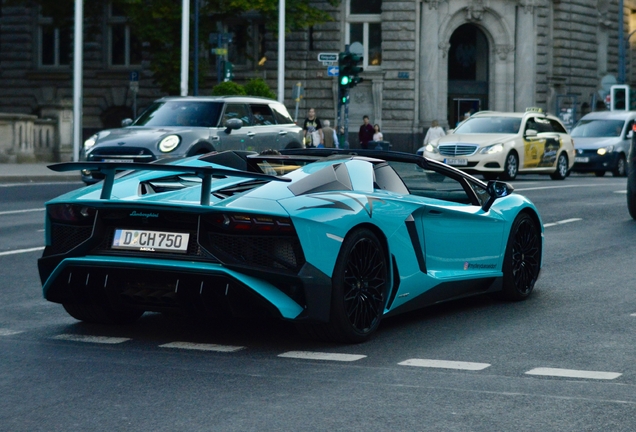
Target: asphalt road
x,y
497,366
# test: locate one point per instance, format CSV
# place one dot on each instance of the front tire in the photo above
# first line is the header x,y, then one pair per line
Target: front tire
x,y
561,168
522,259
621,167
511,167
359,291
101,314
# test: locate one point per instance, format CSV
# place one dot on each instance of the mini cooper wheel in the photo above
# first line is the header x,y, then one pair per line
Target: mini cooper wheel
x,y
101,314
523,258
511,167
359,291
621,167
561,168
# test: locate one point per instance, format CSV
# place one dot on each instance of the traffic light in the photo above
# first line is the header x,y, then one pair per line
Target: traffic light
x,y
619,98
228,71
348,70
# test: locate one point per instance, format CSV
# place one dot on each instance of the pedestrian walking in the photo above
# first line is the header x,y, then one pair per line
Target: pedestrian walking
x,y
312,129
434,132
366,133
329,134
377,136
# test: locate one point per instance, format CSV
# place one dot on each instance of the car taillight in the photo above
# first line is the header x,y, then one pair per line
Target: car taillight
x,y
235,222
70,213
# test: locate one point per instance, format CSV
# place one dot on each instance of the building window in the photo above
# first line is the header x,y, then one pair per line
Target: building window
x,y
247,47
364,25
54,43
124,46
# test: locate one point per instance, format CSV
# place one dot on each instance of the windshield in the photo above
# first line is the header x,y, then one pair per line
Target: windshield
x,y
499,125
181,113
598,128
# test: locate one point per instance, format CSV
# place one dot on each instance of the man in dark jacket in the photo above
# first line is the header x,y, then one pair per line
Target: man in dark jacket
x,y
366,133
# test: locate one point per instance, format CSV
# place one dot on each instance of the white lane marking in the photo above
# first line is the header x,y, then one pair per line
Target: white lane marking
x,y
310,355
621,191
202,347
444,364
7,332
572,373
561,222
19,251
634,314
564,186
40,230
20,211
91,339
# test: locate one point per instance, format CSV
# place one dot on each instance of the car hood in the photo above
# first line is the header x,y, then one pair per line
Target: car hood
x,y
140,136
595,142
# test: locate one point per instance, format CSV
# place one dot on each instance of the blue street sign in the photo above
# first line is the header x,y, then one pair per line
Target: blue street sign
x,y
332,71
134,76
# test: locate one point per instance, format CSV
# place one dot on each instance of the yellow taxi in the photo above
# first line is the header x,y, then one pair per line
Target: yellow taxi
x,y
504,144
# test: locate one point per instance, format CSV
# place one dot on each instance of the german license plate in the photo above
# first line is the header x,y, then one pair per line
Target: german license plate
x,y
119,160
582,159
456,161
150,241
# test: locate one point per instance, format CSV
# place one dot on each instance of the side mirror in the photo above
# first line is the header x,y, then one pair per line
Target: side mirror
x,y
126,122
531,133
496,189
233,124
630,134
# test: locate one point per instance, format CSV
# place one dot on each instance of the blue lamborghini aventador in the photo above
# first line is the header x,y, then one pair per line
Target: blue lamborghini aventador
x,y
331,240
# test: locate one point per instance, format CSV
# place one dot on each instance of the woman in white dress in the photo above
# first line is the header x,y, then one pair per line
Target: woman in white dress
x,y
377,136
434,132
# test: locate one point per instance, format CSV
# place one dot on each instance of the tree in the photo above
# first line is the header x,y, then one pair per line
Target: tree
x,y
258,87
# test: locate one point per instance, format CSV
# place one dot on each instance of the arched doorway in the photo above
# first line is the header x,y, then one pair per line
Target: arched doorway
x,y
467,72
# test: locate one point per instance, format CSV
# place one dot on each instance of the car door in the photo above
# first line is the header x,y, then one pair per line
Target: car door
x,y
236,139
264,127
461,240
533,146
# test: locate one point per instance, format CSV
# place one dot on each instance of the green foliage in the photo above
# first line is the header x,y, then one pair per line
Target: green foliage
x,y
228,88
258,87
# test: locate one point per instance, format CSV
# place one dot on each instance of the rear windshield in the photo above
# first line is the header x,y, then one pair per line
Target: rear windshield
x,y
499,125
598,128
181,113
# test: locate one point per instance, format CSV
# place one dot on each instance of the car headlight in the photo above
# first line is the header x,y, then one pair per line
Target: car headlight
x,y
89,143
431,148
604,150
169,143
494,148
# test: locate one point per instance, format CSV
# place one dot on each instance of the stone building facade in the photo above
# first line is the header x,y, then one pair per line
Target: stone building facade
x,y
424,60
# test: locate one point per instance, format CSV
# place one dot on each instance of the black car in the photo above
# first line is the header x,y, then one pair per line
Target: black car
x,y
176,127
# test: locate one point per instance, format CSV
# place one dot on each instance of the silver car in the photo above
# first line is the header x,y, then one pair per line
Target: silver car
x,y
175,127
602,141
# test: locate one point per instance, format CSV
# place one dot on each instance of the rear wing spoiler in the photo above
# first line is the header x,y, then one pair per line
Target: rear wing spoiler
x,y
109,169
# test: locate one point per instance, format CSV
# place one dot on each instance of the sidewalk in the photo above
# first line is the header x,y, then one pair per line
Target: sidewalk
x,y
34,173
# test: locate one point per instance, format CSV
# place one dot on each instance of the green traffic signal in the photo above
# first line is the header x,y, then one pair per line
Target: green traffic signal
x,y
344,80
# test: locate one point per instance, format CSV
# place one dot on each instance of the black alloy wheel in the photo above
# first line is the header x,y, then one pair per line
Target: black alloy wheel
x,y
523,258
511,167
561,168
359,291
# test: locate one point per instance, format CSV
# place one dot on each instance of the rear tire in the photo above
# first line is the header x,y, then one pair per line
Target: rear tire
x,y
561,168
599,173
490,176
522,259
359,291
101,314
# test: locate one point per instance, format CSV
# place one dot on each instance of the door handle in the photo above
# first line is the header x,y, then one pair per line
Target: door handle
x,y
251,134
282,132
435,212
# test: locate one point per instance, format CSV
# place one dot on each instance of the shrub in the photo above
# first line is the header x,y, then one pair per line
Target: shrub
x,y
258,87
228,88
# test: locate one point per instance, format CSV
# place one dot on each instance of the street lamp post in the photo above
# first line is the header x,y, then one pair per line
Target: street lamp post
x,y
621,43
281,50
